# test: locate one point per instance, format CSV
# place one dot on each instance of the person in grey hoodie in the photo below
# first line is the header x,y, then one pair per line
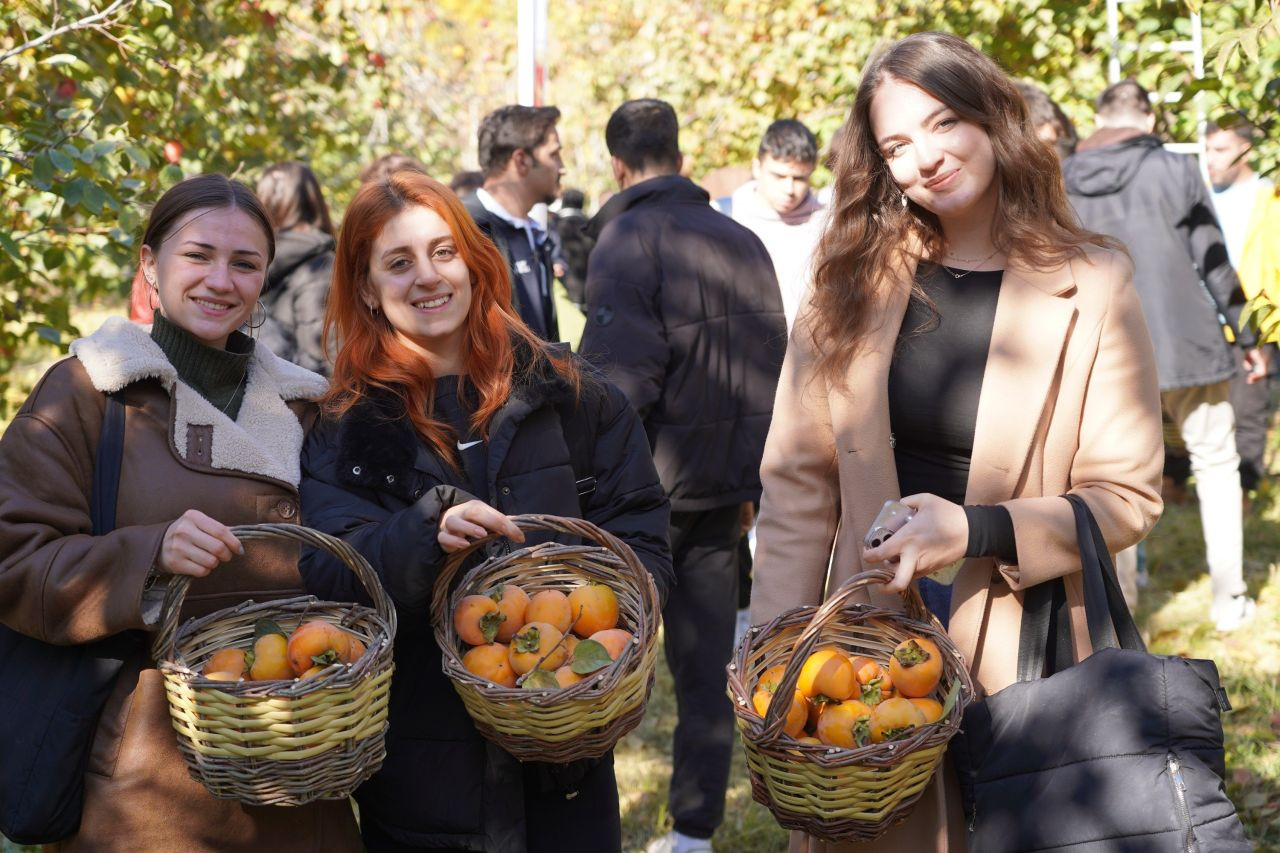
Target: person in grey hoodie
x,y
297,288
1123,183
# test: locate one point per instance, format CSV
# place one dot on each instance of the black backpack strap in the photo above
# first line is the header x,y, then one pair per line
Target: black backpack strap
x,y
106,470
580,436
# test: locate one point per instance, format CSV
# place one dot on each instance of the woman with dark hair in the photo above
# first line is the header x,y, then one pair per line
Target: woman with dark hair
x,y
446,415
213,427
970,350
298,281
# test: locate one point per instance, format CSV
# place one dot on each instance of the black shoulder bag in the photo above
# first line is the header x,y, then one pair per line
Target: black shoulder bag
x,y
51,696
1122,751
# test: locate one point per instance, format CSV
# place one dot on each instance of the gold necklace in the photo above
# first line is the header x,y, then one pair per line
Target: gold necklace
x,y
955,274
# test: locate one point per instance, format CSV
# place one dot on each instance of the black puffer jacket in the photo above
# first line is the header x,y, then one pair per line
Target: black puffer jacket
x,y
369,479
684,311
295,296
1125,185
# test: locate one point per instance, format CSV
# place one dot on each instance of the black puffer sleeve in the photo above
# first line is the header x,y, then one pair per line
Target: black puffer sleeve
x,y
400,543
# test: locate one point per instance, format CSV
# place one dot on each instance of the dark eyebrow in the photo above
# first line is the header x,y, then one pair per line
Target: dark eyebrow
x,y
930,117
211,248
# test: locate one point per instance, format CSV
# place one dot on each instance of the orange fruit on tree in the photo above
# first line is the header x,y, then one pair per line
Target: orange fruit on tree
x,y
614,640
491,662
893,718
317,642
594,607
477,620
916,667
552,607
845,724
531,643
931,708
226,660
827,672
271,658
513,604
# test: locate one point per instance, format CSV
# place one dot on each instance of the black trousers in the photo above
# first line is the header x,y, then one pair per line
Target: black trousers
x,y
555,821
698,624
1251,404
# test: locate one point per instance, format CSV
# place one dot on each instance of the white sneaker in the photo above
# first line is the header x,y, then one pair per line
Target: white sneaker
x,y
674,842
1233,613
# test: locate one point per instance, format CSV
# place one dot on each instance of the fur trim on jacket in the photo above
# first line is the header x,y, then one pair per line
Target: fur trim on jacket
x,y
266,437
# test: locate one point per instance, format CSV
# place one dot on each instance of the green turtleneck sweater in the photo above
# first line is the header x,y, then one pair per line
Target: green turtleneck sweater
x,y
217,374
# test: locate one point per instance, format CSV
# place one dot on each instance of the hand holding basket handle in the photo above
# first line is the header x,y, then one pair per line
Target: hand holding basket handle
x,y
463,523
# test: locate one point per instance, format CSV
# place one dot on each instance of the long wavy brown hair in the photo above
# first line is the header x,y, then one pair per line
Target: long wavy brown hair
x,y
370,355
872,235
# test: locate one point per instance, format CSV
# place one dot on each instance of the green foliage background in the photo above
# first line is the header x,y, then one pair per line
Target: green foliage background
x,y
92,90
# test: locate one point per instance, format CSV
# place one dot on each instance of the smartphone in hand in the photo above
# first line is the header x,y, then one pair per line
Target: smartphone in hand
x,y
892,516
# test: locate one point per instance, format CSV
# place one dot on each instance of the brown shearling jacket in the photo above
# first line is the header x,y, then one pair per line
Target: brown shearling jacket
x,y
62,585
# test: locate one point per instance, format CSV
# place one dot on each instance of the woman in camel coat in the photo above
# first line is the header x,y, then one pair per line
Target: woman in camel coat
x,y
1001,359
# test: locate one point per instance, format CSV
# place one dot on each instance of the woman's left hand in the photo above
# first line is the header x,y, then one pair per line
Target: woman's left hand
x,y
935,537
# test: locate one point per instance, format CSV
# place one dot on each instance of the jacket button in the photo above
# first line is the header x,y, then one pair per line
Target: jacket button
x,y
417,493
506,490
286,509
356,470
391,478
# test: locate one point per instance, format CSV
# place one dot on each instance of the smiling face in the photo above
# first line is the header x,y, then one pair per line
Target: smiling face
x,y
208,272
942,162
420,282
782,184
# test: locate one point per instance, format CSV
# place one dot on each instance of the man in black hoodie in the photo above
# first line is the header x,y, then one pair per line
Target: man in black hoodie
x,y
684,313
1124,184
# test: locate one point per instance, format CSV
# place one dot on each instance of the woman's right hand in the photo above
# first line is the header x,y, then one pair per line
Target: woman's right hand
x,y
196,544
464,523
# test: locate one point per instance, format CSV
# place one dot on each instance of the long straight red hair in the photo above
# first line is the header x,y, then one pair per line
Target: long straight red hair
x,y
370,355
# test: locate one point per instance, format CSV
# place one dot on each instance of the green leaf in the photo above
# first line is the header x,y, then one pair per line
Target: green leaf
x,y
54,257
60,160
590,656
263,627
170,175
74,190
60,59
42,170
953,696
540,679
139,156
11,248
101,148
49,334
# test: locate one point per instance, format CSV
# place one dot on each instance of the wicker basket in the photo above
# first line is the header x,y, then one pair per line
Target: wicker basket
x,y
832,793
289,742
583,720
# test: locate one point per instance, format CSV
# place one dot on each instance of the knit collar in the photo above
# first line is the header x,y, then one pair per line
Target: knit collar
x,y
218,375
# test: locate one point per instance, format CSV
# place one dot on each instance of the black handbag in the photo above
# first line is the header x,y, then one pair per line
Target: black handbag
x,y
51,696
1120,752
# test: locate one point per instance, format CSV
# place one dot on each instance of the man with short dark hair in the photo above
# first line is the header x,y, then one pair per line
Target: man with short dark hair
x,y
779,208
1048,120
1123,183
519,152
684,313
1249,211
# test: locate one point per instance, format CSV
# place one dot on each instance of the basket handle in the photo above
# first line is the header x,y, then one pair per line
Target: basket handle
x,y
776,716
165,645
557,524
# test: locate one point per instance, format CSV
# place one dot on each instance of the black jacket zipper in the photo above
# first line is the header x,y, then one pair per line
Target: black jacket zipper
x,y
1174,766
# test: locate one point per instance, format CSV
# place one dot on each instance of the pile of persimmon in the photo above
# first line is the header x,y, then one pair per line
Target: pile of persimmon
x,y
849,701
544,641
311,649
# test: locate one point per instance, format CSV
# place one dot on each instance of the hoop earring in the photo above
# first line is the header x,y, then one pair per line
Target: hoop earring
x,y
153,297
254,326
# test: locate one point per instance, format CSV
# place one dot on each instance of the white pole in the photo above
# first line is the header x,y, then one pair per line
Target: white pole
x,y
526,32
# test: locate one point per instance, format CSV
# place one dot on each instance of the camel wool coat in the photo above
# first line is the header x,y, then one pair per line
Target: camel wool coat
x,y
1069,403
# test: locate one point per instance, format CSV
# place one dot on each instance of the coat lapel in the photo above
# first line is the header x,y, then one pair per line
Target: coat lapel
x,y
1032,324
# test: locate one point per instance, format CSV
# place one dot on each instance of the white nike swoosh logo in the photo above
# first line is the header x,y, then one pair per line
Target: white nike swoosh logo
x,y
469,444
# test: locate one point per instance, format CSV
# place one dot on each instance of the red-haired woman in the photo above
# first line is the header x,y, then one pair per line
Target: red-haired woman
x,y
967,346
446,414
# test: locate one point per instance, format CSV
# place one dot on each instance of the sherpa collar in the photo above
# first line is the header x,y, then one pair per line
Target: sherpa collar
x,y
266,437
